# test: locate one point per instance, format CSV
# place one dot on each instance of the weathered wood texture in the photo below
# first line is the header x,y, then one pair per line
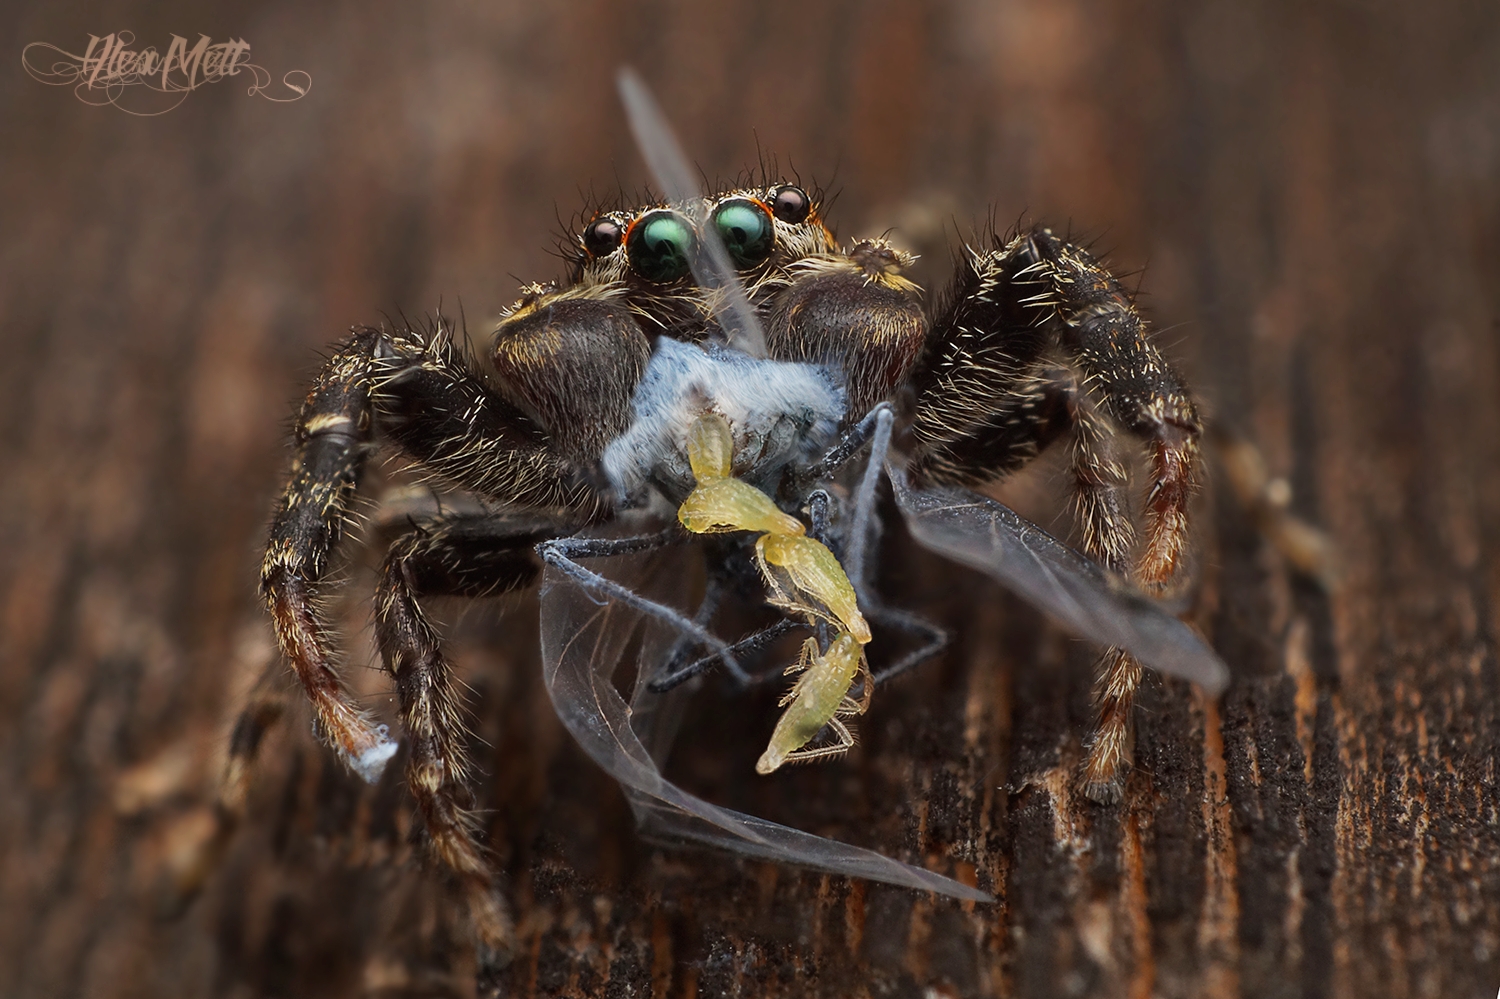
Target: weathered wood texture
x,y
1313,187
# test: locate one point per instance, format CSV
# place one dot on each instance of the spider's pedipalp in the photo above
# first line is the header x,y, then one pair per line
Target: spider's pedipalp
x,y
853,310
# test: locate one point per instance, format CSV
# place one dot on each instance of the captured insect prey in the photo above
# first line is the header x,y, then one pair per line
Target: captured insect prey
x,y
721,382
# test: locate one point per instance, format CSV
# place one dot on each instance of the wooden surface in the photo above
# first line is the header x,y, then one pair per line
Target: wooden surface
x,y
1311,189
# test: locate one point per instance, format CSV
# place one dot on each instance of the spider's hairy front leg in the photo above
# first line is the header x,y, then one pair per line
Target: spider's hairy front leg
x,y
461,556
333,438
1134,386
417,388
989,398
1130,382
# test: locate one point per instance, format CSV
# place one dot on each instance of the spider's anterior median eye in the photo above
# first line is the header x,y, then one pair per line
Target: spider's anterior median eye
x,y
661,245
790,203
746,231
602,237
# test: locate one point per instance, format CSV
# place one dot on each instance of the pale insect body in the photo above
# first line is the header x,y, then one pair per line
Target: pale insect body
x,y
819,699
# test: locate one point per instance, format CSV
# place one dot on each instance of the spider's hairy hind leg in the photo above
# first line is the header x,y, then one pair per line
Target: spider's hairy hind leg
x,y
255,720
1118,675
462,556
1100,480
333,438
263,709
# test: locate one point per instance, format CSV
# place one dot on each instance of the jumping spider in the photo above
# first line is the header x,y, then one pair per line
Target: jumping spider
x,y
613,397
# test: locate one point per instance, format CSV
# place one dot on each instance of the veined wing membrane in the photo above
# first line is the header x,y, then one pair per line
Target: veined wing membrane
x,y
584,643
983,534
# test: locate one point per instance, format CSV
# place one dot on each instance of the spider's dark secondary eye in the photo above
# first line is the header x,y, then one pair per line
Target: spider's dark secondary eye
x,y
661,245
790,203
602,237
746,231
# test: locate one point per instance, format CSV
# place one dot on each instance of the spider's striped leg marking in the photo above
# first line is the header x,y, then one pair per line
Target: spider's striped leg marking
x,y
462,556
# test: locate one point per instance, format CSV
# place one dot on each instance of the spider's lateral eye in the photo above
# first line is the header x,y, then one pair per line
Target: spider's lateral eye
x,y
661,245
746,230
602,237
790,203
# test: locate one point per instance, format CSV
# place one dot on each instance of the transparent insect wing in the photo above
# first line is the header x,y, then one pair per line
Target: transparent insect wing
x,y
584,643
983,534
711,266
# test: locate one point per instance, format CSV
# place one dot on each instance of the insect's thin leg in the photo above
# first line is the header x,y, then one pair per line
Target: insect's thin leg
x,y
469,556
713,594
747,646
843,742
855,438
864,498
818,502
934,638
561,553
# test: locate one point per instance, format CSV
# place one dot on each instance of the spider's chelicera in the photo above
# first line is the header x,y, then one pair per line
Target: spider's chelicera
x,y
612,398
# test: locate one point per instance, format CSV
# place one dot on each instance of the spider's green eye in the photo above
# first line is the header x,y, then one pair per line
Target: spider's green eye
x,y
661,245
746,231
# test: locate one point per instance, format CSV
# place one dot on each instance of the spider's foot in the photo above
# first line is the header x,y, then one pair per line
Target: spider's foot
x,y
371,761
1103,776
1107,792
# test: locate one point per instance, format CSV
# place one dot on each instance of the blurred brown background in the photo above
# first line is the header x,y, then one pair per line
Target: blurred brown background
x,y
1312,191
